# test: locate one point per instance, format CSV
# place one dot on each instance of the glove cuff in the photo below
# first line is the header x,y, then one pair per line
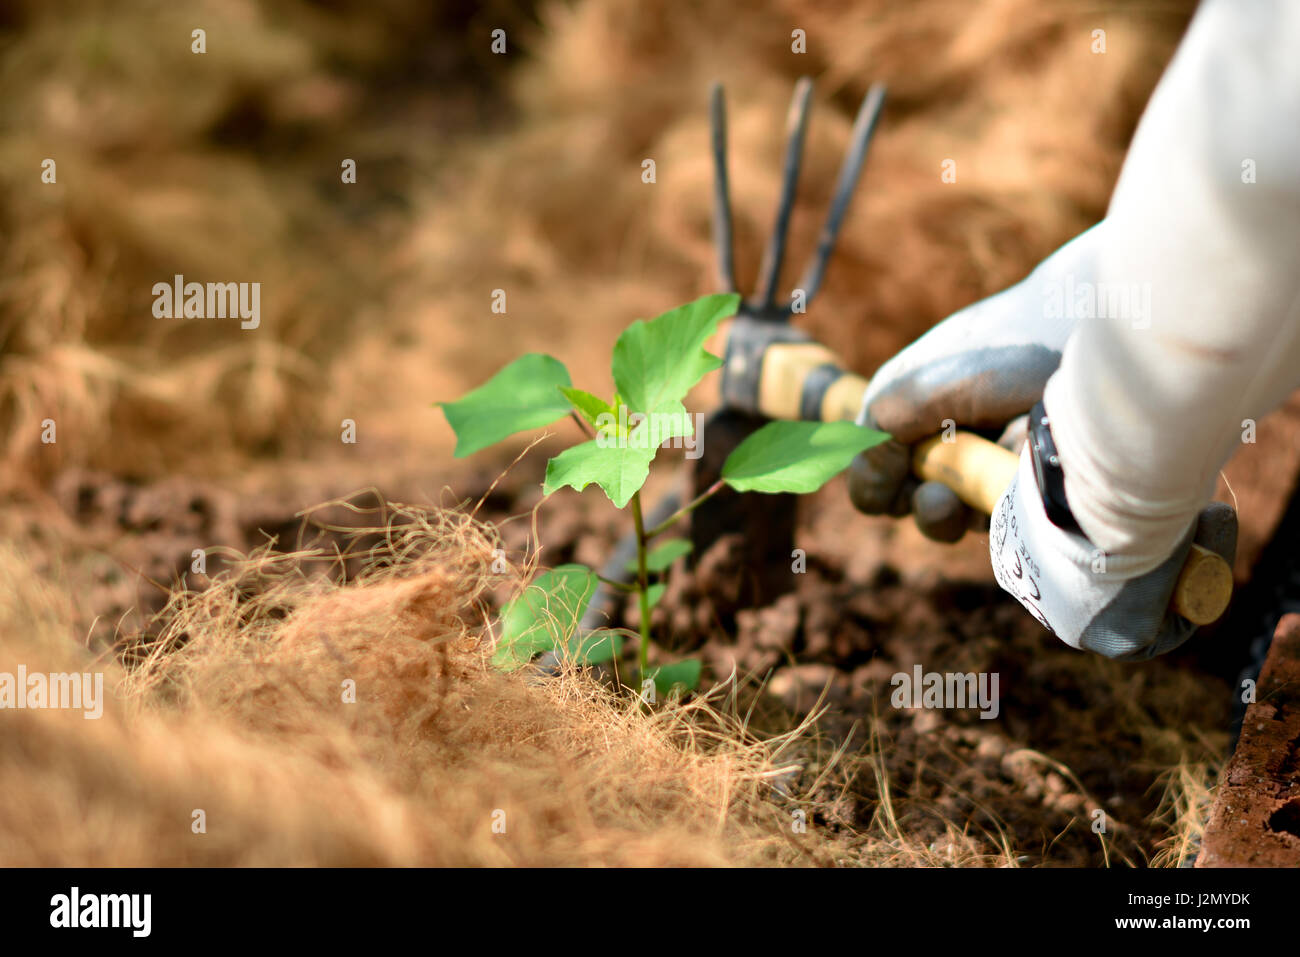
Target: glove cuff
x,y
1060,577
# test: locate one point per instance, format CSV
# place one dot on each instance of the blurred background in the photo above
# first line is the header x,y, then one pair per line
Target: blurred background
x,y
478,171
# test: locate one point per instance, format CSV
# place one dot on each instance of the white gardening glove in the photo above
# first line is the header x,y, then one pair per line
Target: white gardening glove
x,y
984,368
980,368
1086,598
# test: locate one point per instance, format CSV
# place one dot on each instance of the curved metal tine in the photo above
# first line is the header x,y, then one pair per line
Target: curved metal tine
x,y
770,271
863,129
721,191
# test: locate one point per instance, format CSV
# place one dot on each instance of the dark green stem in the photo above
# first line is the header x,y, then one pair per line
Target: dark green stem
x,y
686,509
582,424
643,587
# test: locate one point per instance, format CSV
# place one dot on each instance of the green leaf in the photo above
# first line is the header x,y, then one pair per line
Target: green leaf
x,y
654,593
796,456
685,673
619,464
668,421
600,644
544,616
521,396
618,468
663,555
591,407
657,362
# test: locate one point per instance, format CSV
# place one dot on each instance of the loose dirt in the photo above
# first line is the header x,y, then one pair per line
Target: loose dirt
x,y
1085,761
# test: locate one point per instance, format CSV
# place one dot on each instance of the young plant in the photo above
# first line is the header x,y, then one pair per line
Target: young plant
x,y
655,364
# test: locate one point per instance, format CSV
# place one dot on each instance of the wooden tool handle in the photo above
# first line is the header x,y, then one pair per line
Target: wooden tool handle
x,y
979,471
801,380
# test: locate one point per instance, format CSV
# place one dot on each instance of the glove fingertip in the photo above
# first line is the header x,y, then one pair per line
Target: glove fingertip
x,y
940,514
875,477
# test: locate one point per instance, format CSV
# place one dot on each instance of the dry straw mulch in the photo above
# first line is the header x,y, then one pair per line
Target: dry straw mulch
x,y
236,707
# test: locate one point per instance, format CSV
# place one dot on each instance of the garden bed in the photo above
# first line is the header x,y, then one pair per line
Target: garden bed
x,y
1076,741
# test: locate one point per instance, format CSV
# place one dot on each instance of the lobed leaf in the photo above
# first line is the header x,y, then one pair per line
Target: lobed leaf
x,y
796,456
619,464
657,362
618,468
544,616
524,395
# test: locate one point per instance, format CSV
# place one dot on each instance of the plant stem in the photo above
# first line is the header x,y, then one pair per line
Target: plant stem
x,y
582,424
686,509
643,587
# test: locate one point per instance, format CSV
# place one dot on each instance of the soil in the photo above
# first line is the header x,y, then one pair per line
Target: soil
x,y
1076,740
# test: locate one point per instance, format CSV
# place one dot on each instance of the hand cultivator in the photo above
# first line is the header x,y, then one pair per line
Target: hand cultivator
x,y
766,521
755,390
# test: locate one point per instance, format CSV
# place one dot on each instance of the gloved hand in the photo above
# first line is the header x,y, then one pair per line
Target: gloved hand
x,y
980,368
984,368
1086,598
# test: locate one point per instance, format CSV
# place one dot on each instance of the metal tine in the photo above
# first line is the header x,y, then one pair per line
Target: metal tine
x,y
770,271
863,129
721,192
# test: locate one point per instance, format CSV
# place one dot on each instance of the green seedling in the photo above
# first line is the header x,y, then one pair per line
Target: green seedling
x,y
655,364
